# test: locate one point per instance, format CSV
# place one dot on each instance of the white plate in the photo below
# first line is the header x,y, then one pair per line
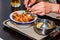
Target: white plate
x,y
20,12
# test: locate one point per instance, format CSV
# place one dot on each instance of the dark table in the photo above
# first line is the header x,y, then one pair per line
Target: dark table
x,y
9,34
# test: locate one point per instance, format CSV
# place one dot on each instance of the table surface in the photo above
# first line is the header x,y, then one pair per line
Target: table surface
x,y
8,34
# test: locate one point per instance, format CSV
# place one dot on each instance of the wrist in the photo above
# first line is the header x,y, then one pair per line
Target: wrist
x,y
59,9
55,7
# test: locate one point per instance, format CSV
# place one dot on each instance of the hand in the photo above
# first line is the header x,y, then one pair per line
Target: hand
x,y
29,2
43,8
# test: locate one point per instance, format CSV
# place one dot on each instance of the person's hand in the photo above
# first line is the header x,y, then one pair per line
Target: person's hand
x,y
29,2
43,8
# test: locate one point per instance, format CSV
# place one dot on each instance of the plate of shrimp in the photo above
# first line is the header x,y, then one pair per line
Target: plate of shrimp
x,y
22,17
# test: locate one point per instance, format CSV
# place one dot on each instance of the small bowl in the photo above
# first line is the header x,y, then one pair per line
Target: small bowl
x,y
20,12
38,27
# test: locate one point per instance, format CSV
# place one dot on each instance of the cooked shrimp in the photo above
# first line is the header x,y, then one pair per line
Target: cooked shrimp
x,y
22,17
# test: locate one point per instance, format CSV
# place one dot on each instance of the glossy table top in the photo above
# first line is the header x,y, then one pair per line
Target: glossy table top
x,y
8,34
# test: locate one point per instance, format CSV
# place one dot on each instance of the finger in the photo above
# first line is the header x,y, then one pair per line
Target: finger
x,y
26,2
42,14
36,7
32,2
37,11
33,7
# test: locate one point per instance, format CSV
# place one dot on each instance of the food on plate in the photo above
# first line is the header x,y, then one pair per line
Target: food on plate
x,y
23,17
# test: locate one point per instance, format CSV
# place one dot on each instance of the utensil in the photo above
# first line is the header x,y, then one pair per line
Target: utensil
x,y
44,26
28,7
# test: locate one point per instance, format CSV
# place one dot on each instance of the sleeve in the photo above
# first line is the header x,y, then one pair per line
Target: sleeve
x,y
58,1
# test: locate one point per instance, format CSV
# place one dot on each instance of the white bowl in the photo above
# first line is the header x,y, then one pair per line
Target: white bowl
x,y
20,12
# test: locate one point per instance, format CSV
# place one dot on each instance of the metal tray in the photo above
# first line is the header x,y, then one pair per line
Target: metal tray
x,y
29,31
53,15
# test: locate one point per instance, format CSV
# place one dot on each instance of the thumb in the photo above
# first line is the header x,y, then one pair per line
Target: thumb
x,y
32,2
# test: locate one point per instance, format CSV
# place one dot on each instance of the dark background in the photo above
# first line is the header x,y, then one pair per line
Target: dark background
x,y
58,1
6,33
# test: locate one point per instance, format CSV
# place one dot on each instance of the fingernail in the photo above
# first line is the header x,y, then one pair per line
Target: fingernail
x,y
28,5
30,10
